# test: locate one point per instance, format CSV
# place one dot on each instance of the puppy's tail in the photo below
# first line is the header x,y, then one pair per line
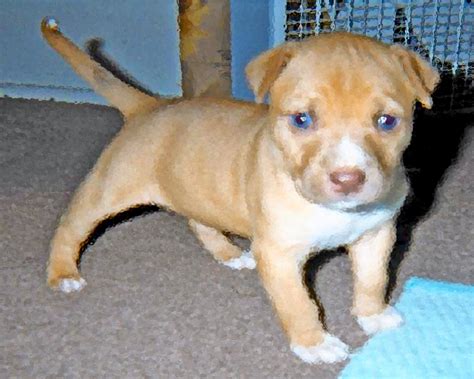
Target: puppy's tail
x,y
127,99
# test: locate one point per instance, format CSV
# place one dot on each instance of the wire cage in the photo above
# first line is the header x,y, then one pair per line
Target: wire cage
x,y
440,30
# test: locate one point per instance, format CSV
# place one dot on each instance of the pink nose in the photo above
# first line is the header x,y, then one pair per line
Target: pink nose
x,y
347,179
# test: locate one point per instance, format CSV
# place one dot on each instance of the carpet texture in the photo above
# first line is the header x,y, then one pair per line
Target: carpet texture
x,y
157,305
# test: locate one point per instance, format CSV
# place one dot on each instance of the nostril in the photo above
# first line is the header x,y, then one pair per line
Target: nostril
x,y
347,179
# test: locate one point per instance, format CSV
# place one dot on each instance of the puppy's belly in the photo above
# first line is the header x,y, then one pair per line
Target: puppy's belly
x,y
325,228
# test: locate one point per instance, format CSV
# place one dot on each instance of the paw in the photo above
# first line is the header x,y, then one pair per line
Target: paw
x,y
71,285
388,319
246,260
331,350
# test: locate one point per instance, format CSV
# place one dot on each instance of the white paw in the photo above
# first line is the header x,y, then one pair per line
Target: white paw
x,y
388,319
331,350
72,285
246,260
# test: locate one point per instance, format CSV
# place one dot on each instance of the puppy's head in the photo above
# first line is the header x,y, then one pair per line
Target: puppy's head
x,y
341,113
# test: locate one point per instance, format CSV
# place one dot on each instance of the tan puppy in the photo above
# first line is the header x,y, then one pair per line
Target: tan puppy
x,y
318,168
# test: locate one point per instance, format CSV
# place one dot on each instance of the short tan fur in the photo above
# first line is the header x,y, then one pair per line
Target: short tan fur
x,y
248,169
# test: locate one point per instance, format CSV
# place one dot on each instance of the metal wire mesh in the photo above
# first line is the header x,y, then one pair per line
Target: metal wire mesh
x,y
440,30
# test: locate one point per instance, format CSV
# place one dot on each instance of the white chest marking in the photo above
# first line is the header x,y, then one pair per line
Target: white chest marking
x,y
325,228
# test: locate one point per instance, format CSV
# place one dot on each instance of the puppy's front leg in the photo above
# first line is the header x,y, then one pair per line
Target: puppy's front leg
x,y
370,256
221,248
282,277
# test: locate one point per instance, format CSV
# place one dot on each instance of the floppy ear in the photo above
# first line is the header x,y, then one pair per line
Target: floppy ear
x,y
265,69
423,77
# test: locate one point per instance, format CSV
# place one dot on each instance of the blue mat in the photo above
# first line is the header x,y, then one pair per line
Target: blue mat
x,y
436,340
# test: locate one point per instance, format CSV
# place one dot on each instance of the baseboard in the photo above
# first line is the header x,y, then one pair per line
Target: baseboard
x,y
66,94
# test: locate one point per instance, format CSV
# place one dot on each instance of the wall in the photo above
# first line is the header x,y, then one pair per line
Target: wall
x,y
256,25
141,35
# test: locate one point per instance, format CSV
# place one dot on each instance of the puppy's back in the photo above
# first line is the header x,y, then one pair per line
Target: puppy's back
x,y
204,154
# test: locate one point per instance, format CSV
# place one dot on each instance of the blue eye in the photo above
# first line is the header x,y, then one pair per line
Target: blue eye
x,y
387,122
301,120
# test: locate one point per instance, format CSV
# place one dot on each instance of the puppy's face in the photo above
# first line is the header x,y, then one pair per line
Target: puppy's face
x,y
341,113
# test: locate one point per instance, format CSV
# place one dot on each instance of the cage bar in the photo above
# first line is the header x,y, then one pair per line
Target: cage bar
x,y
440,30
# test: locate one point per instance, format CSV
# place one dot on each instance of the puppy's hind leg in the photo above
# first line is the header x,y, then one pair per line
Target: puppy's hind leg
x,y
109,190
221,248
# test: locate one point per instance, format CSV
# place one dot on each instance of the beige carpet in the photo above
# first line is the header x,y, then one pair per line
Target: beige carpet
x,y
156,304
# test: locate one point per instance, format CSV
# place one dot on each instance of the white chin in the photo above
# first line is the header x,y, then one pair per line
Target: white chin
x,y
345,204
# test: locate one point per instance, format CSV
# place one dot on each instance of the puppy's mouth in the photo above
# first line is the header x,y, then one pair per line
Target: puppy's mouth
x,y
354,191
346,176
344,188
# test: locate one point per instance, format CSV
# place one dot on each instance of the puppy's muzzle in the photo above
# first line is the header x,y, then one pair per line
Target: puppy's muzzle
x,y
347,180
